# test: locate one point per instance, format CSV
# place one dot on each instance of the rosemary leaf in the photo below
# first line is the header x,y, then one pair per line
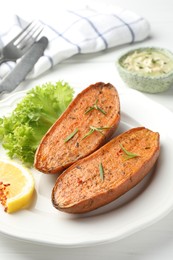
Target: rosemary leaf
x,y
70,136
95,106
101,110
101,171
89,133
93,129
128,155
89,109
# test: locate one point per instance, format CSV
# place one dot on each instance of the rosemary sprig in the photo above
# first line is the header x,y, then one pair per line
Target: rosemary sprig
x,y
70,136
93,129
95,106
101,170
128,155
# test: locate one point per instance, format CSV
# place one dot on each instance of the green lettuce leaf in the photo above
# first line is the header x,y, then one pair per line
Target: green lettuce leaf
x,y
21,132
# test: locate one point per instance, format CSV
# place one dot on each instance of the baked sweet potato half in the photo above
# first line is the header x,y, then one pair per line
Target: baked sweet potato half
x,y
108,173
87,123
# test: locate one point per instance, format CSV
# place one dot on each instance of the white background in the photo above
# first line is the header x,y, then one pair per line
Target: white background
x,y
156,241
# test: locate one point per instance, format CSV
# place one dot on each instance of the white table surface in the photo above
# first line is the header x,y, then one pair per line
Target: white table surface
x,y
156,241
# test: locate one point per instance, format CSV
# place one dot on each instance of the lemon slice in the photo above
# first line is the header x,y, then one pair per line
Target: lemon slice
x,y
16,186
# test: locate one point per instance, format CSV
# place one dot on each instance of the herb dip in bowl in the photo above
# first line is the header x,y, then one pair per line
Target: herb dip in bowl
x,y
147,69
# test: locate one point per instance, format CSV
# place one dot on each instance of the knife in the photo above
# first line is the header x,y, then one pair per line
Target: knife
x,y
25,65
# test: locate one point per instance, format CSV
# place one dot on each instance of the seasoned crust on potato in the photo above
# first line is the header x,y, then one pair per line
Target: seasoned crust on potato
x,y
80,188
96,106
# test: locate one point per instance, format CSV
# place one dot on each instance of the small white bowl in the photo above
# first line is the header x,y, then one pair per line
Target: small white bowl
x,y
146,82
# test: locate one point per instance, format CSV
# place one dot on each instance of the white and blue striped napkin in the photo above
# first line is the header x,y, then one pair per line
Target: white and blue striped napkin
x,y
72,32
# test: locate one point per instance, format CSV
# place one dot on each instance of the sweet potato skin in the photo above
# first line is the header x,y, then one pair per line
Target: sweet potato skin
x,y
53,154
80,189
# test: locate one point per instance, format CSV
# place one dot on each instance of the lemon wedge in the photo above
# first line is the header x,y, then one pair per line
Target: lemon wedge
x,y
16,186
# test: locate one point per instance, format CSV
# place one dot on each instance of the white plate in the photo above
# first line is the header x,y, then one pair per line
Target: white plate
x,y
145,204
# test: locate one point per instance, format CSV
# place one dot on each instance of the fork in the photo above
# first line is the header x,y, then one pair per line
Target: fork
x,y
21,43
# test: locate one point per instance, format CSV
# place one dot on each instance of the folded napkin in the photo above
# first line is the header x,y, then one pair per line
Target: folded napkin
x,y
86,30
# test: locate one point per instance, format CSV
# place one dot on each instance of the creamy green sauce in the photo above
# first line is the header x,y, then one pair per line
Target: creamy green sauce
x,y
148,62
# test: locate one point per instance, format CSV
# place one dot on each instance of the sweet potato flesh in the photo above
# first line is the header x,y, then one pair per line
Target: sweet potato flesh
x,y
54,154
80,188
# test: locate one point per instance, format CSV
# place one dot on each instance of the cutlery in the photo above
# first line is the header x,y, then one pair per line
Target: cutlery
x,y
21,43
25,65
